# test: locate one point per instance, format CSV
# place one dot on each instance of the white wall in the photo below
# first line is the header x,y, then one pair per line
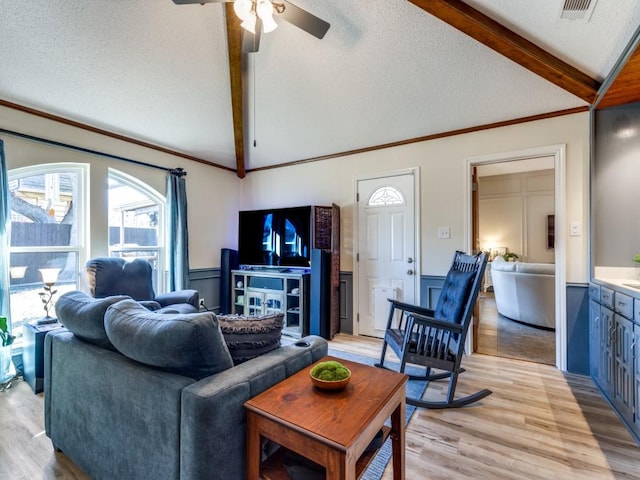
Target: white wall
x,y
213,194
441,164
512,212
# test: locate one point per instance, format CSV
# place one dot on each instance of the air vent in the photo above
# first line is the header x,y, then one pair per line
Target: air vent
x,y
577,9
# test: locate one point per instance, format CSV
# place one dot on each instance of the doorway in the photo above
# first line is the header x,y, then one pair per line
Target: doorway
x,y
515,199
386,261
557,154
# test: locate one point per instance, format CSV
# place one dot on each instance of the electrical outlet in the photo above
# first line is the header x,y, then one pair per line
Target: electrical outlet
x,y
202,305
444,233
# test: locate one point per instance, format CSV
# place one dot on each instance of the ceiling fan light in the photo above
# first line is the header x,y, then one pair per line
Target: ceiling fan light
x,y
243,9
249,24
264,9
266,15
269,25
265,12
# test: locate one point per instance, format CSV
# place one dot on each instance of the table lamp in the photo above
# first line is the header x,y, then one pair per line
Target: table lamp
x,y
49,278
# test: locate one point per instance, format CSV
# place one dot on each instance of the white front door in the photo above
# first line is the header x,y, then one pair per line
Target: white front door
x,y
386,253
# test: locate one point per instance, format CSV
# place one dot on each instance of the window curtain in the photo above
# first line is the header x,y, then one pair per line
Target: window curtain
x,y
178,232
5,238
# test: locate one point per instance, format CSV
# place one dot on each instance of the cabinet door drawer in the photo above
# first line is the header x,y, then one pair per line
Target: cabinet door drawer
x,y
606,297
636,314
594,292
623,305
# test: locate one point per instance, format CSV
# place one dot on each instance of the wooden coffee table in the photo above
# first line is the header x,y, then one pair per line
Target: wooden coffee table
x,y
331,428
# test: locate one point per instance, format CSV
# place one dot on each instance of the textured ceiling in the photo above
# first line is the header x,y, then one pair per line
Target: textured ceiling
x,y
386,71
592,47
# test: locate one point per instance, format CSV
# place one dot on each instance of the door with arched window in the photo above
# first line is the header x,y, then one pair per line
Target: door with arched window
x,y
386,260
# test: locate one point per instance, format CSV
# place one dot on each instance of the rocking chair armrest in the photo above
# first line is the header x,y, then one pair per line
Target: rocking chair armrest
x,y
407,307
415,319
404,308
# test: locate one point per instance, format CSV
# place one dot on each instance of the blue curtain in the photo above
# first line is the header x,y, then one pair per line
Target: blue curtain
x,y
178,232
5,237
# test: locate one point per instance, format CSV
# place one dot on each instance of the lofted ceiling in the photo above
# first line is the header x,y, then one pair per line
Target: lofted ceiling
x,y
386,71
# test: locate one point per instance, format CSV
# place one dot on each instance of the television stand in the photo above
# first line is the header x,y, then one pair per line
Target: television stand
x,y
269,290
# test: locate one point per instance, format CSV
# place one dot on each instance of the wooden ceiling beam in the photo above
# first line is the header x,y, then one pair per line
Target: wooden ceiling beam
x,y
516,48
234,45
621,87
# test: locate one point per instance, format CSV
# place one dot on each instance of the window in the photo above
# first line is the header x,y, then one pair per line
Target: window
x,y
385,196
136,221
48,205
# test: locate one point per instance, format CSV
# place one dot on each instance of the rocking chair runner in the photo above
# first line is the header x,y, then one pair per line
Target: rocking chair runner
x,y
435,339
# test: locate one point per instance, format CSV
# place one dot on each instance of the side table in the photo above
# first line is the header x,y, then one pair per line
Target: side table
x,y
33,353
332,429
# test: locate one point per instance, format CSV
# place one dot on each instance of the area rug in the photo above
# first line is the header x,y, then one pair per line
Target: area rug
x,y
415,388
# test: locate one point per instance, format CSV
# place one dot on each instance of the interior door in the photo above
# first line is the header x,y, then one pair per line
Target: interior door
x,y
386,251
475,236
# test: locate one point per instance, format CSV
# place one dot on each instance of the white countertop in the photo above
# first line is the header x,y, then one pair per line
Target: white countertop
x,y
621,278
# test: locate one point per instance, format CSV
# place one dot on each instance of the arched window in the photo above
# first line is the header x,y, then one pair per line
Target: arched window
x,y
385,196
136,223
48,231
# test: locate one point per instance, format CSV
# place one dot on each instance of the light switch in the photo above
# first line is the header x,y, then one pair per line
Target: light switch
x,y
443,232
575,229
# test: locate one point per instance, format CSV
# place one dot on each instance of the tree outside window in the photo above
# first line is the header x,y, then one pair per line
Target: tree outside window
x,y
46,232
48,205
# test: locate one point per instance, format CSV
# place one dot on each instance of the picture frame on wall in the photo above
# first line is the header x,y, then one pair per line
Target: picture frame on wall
x,y
551,232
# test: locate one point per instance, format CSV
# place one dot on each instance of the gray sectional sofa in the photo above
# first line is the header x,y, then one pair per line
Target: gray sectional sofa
x,y
525,292
133,394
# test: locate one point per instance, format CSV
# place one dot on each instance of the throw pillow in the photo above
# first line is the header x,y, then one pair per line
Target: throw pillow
x,y
189,344
84,316
249,337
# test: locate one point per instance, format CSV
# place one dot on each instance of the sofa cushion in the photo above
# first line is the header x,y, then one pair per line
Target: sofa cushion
x,y
537,268
248,337
454,291
500,264
84,316
109,275
187,344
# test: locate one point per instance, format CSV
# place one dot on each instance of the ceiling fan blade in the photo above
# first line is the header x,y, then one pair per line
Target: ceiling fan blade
x,y
303,19
188,2
251,41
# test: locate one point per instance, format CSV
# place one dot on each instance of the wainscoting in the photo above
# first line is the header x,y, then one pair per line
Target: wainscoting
x,y
207,282
430,286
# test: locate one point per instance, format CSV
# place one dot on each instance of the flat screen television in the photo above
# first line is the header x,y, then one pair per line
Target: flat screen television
x,y
275,237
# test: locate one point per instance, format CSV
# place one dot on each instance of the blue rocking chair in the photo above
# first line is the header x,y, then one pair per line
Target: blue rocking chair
x,y
435,339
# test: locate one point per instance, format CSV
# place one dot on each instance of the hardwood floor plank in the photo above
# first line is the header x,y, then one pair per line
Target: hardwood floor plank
x,y
503,337
538,424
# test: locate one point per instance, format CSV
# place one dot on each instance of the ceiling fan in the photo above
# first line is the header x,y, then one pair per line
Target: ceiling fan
x,y
258,16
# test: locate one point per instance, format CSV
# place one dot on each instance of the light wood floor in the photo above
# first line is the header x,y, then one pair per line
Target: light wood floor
x,y
537,424
503,337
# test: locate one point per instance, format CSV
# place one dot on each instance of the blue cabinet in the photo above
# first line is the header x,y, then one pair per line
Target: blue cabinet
x,y
614,320
594,338
636,379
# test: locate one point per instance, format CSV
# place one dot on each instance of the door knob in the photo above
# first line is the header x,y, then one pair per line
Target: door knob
x,y
409,272
409,260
